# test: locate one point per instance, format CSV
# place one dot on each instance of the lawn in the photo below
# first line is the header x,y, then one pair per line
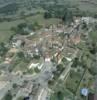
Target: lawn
x,y
60,88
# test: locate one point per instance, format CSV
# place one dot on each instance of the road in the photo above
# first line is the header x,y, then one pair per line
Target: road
x,y
43,94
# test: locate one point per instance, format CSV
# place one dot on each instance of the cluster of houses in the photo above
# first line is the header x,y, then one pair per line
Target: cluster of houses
x,y
47,42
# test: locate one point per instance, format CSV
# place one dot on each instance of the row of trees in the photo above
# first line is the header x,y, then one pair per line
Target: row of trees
x,y
65,12
9,9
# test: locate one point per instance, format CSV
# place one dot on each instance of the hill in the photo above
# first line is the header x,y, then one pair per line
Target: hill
x,y
18,7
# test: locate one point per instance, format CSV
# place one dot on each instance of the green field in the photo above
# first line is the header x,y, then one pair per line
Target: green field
x,y
39,18
5,35
5,31
5,27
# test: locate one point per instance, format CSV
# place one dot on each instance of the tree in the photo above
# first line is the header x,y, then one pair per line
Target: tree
x,y
20,29
8,96
75,62
93,69
47,15
95,26
14,86
51,82
36,70
36,56
60,67
30,71
93,48
60,95
20,55
11,37
3,49
84,25
23,43
36,26
95,16
22,25
68,16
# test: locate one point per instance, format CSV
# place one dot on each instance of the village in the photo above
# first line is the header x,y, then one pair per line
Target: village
x,y
35,64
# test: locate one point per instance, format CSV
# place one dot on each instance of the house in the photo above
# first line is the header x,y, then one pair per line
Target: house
x,y
16,44
88,20
47,59
75,39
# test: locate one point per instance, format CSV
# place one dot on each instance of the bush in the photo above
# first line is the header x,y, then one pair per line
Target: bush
x,y
47,15
20,55
14,85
